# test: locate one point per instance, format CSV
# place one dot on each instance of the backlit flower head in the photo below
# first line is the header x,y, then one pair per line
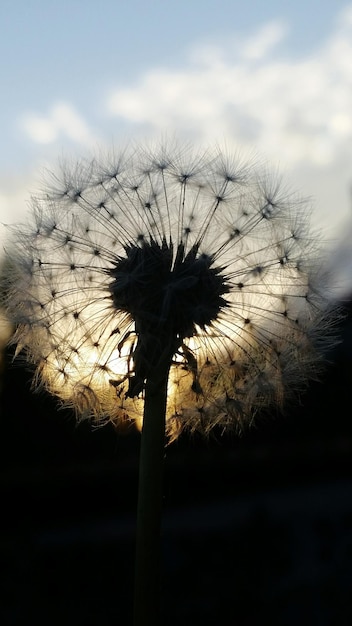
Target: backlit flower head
x,y
165,253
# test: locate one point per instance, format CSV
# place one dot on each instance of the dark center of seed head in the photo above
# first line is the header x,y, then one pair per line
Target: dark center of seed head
x,y
167,295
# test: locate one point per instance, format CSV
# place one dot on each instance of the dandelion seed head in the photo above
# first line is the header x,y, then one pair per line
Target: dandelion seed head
x,y
169,253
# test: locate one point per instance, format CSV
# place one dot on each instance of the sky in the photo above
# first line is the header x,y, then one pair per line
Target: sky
x,y
273,78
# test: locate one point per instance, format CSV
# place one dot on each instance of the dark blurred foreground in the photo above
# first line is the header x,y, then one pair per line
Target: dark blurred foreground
x,y
256,530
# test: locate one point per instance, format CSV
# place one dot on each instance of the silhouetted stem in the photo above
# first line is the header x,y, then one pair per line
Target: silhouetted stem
x,y
147,565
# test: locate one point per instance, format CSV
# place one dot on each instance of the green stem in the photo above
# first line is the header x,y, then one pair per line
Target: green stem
x,y
147,565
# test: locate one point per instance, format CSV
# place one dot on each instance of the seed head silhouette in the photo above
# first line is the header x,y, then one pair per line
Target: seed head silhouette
x,y
168,255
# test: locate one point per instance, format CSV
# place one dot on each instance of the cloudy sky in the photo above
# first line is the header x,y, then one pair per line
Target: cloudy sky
x,y
271,77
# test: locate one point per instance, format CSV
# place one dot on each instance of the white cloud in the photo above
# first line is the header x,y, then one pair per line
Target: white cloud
x,y
62,119
295,109
264,40
39,129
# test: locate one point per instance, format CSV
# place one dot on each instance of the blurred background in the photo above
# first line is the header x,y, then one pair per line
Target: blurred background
x,y
257,529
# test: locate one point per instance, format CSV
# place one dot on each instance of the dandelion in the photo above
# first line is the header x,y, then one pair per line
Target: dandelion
x,y
165,256
174,286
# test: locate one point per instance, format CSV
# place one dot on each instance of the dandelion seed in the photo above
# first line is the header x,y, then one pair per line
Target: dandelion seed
x,y
168,255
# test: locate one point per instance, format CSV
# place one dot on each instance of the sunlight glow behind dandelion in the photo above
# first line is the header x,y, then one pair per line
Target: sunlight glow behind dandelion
x,y
168,253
